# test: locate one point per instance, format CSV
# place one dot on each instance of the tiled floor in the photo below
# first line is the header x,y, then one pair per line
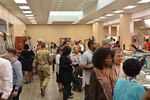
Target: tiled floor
x,y
32,91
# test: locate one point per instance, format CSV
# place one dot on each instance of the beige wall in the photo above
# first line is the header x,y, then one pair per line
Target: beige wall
x,y
18,26
113,31
55,32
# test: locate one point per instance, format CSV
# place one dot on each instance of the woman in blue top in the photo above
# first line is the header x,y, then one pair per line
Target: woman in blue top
x,y
128,88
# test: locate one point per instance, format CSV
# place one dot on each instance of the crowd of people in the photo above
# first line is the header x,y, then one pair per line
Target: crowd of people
x,y
100,70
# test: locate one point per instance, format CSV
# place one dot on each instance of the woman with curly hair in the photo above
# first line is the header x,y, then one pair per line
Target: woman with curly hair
x,y
103,77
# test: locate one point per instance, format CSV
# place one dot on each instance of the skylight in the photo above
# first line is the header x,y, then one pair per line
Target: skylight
x,y
20,1
66,13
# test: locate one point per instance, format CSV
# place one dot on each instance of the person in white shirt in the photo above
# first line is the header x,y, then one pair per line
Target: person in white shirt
x,y
6,79
81,45
87,66
60,86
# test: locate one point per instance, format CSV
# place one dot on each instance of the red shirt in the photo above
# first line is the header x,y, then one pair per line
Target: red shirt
x,y
147,46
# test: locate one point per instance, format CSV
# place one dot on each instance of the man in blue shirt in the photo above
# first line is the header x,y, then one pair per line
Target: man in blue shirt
x,y
17,73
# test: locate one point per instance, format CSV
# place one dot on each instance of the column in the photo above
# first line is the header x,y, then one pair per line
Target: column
x,y
109,30
125,35
7,26
98,31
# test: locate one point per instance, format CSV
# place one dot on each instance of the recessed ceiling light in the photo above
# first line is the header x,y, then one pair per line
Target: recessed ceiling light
x,y
144,1
60,1
29,15
90,22
84,1
26,12
135,20
108,15
20,1
118,11
59,4
96,19
24,7
129,7
82,4
102,17
33,21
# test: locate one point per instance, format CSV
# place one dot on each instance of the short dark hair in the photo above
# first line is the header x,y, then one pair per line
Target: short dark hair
x,y
65,42
90,42
43,45
117,42
26,47
147,40
12,51
59,49
132,67
99,57
66,51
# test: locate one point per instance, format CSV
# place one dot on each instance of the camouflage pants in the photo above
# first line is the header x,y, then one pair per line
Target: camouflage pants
x,y
44,75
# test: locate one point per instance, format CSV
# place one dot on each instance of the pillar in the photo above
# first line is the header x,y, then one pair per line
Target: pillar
x,y
7,26
125,35
109,30
98,31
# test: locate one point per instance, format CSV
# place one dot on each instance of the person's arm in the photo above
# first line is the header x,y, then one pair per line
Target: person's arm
x,y
93,86
49,58
18,71
7,76
139,92
84,62
57,59
35,62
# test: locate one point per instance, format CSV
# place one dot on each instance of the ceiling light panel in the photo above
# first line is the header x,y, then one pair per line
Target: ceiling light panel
x,y
144,1
27,12
118,11
20,1
29,15
135,20
102,17
129,7
24,7
108,15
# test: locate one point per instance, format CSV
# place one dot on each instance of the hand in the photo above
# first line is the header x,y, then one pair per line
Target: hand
x,y
1,98
34,71
15,93
73,64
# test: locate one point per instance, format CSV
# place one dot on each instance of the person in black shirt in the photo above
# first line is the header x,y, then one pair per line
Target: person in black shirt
x,y
65,71
27,56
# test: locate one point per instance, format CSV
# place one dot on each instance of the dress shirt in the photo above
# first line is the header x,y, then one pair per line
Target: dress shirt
x,y
6,78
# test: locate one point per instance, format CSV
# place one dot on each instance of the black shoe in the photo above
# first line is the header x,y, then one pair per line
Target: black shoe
x,y
42,91
70,97
29,81
60,90
71,94
26,82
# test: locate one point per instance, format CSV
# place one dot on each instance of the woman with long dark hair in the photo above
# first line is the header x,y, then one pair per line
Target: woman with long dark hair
x,y
27,56
65,72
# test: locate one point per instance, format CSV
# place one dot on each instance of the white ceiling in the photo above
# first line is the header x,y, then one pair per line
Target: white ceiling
x,y
42,8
